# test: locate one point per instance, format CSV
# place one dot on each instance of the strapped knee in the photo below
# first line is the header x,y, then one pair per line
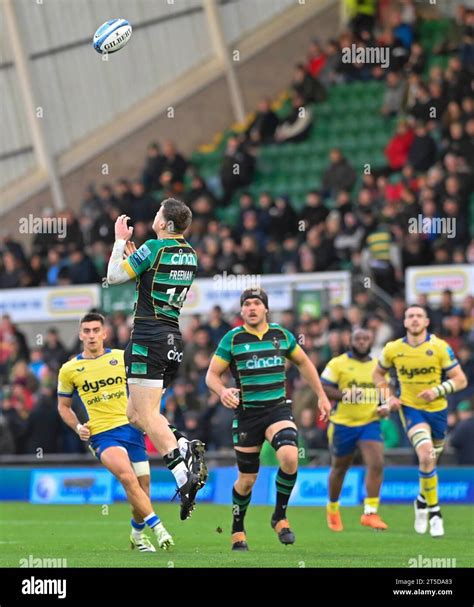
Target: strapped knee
x,y
248,463
286,436
438,446
420,437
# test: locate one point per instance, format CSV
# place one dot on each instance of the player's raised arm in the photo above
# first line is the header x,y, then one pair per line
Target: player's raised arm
x,y
70,418
116,273
229,396
309,372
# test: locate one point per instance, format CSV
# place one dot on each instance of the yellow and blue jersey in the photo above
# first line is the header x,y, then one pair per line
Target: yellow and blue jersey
x,y
347,373
101,385
419,368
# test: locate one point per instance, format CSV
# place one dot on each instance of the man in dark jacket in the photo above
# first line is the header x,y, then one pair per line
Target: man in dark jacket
x,y
339,175
263,127
462,437
307,87
237,168
422,154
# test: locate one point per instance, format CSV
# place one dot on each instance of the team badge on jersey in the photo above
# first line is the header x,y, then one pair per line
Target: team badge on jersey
x,y
113,361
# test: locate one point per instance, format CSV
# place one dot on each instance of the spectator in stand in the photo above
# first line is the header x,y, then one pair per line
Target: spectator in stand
x,y
338,320
9,332
422,154
445,309
81,270
174,163
339,175
263,126
394,95
251,227
322,249
264,206
306,86
54,352
37,364
330,75
313,437
43,427
297,125
198,188
283,219
123,196
237,168
154,167
314,212
103,228
316,59
398,147
462,437
217,327
10,272
142,206
250,256
417,59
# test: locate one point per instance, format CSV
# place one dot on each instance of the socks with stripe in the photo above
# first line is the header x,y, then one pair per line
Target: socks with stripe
x,y
137,528
152,520
239,508
371,505
284,486
176,465
182,440
429,487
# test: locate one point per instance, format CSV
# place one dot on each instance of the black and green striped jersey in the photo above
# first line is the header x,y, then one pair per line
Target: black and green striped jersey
x,y
164,270
257,363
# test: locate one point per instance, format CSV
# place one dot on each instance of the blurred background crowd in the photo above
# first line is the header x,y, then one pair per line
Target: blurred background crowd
x,y
347,219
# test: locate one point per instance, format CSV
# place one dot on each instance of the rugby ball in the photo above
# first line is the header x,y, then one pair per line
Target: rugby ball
x,y
112,36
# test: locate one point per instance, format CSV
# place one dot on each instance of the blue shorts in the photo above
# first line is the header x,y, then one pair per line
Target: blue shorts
x,y
128,437
343,439
437,421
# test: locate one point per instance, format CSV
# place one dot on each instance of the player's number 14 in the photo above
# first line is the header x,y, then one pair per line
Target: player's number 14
x,y
179,300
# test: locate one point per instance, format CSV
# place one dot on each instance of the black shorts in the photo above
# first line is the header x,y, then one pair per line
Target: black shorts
x,y
249,426
157,362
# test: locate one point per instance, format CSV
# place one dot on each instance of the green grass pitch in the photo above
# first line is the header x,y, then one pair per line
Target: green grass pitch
x,y
88,538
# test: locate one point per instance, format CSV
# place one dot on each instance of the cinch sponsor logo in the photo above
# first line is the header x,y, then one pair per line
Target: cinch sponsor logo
x,y
175,355
262,363
95,386
186,259
416,371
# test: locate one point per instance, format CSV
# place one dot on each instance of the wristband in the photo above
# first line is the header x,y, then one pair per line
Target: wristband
x,y
447,387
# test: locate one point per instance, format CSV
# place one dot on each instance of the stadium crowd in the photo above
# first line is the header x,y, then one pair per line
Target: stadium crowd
x,y
429,172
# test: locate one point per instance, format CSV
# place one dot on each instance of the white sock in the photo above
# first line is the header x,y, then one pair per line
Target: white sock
x,y
183,446
136,534
180,472
369,509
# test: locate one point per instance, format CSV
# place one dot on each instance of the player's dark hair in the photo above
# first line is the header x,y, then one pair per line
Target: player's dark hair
x,y
91,316
417,306
178,216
